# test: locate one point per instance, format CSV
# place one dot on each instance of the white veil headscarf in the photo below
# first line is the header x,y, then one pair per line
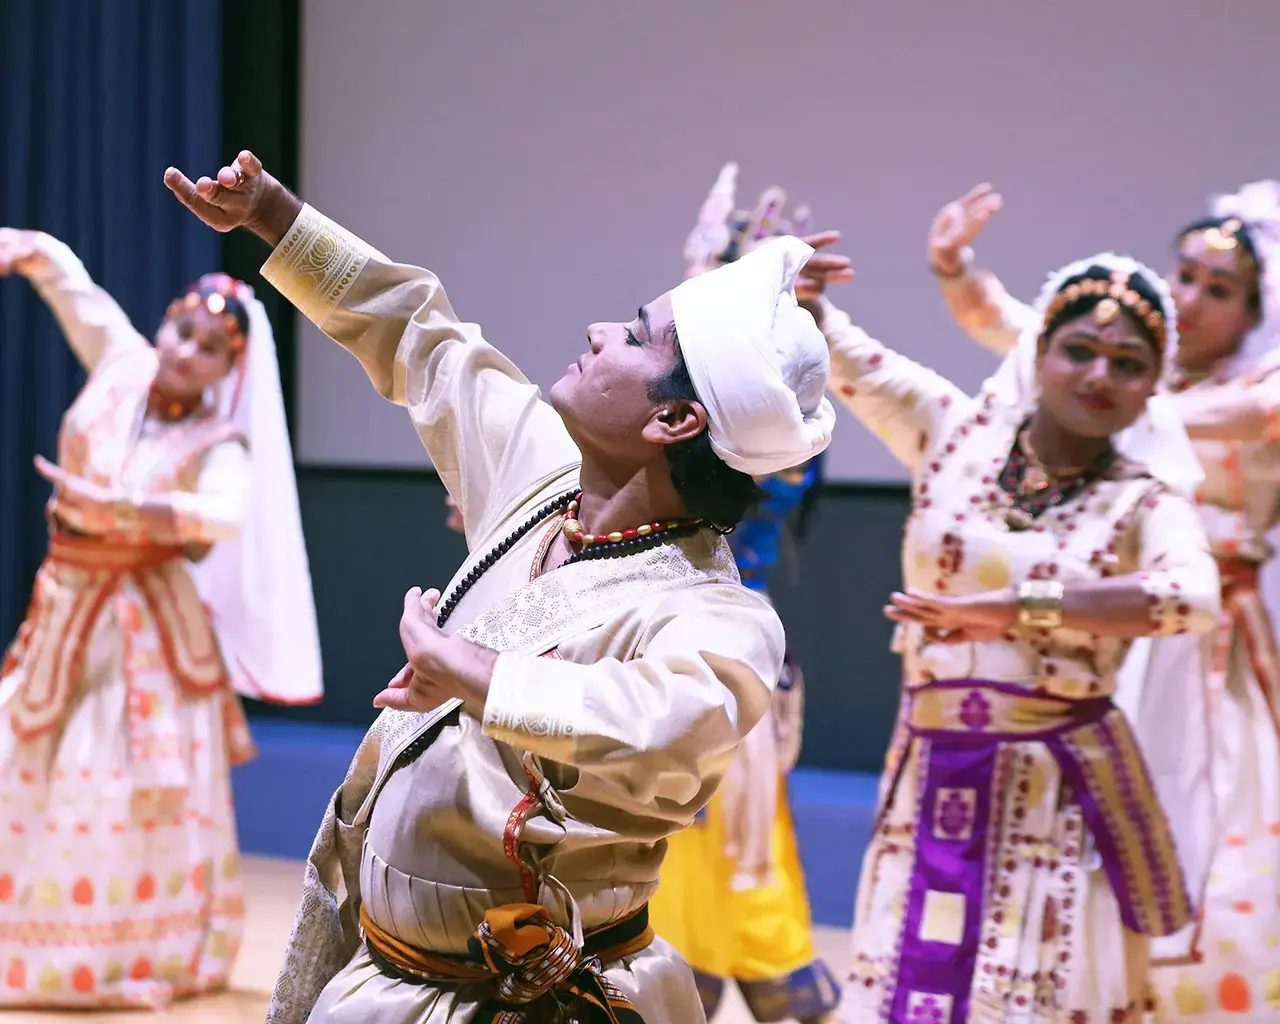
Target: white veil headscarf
x,y
1257,207
1157,439
257,586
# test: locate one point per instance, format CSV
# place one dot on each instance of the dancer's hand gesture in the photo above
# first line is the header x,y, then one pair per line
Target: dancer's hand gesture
x,y
419,685
82,504
20,252
440,666
242,195
823,268
957,225
963,619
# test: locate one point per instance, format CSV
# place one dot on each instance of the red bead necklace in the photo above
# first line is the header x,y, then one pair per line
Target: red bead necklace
x,y
171,409
576,534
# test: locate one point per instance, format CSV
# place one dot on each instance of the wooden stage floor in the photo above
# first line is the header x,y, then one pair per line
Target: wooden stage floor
x,y
273,887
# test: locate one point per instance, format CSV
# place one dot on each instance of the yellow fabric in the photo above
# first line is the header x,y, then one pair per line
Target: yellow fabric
x,y
752,935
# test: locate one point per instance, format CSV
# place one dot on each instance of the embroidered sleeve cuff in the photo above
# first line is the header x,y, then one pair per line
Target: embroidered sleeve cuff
x,y
316,264
1174,608
533,707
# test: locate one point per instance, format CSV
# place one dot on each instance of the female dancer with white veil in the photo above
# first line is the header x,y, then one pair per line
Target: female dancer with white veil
x,y
1205,708
176,578
1021,865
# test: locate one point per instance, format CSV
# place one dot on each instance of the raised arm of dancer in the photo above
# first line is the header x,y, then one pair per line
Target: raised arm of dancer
x,y
95,325
906,405
490,436
979,303
1241,410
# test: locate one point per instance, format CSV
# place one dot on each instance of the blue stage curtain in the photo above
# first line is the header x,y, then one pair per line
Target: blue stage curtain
x,y
97,98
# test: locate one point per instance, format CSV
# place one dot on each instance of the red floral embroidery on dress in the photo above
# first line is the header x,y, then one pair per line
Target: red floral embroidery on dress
x,y
950,560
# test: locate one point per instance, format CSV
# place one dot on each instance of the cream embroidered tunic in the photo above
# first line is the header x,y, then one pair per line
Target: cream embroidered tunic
x,y
660,663
119,869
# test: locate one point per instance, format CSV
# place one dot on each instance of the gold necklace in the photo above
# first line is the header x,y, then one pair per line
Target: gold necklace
x,y
1037,477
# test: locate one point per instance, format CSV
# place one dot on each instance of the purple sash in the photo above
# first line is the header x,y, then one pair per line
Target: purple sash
x,y
959,727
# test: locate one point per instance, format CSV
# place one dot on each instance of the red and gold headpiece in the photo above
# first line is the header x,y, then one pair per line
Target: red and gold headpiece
x,y
1115,295
213,291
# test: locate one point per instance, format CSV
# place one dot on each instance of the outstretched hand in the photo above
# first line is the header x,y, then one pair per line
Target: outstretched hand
x,y
242,195
962,619
20,252
957,225
823,268
82,504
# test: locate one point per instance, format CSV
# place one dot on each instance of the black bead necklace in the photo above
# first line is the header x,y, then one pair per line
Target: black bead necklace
x,y
628,545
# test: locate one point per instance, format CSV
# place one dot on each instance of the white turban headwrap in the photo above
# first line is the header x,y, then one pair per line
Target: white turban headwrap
x,y
257,586
758,362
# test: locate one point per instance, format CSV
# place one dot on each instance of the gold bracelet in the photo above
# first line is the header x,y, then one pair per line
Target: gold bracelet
x,y
1040,604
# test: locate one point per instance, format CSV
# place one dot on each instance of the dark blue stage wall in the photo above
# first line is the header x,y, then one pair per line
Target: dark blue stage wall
x,y
372,535
96,99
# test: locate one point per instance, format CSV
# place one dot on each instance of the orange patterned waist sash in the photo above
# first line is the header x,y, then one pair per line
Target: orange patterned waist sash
x,y
91,553
530,961
80,575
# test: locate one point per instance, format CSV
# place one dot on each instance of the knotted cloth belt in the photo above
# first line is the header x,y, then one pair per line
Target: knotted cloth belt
x,y
532,962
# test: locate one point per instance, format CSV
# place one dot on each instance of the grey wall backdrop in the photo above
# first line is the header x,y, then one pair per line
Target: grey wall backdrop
x,y
547,159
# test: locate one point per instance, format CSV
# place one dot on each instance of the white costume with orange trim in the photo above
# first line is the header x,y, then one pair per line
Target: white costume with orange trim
x,y
118,721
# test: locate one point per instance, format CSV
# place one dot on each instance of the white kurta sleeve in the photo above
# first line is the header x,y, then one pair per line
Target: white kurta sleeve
x,y
96,327
904,404
983,308
663,725
1243,410
1178,572
489,434
217,508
